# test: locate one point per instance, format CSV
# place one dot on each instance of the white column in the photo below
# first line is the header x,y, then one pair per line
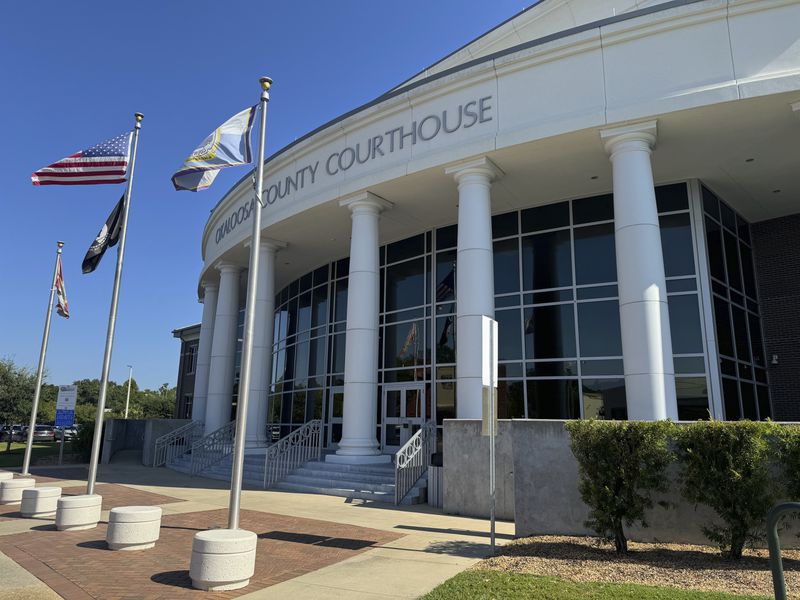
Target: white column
x,y
262,345
223,349
204,351
643,309
358,443
474,277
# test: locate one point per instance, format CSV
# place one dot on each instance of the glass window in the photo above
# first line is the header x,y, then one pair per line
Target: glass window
x,y
509,345
764,408
405,285
546,260
755,340
545,217
301,360
506,266
740,333
337,360
505,225
692,394
716,260
552,368
304,312
553,399
684,324
404,345
723,326
319,311
681,285
677,245
321,276
598,328
727,216
748,274
550,332
732,260
672,197
445,401
595,258
730,395
591,210
597,291
689,364
604,399
608,366
446,237
510,400
445,276
750,411
710,203
407,248
341,301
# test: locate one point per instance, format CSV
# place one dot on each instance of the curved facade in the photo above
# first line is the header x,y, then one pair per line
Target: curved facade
x,y
596,190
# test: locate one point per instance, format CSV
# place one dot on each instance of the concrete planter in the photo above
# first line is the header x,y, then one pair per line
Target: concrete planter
x,y
133,527
78,512
223,559
6,475
11,489
40,503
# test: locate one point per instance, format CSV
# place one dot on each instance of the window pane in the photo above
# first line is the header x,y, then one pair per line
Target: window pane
x,y
681,285
446,339
408,248
506,266
595,258
748,401
405,285
722,321
732,261
545,217
727,216
337,362
755,340
730,395
301,361
714,242
684,324
604,399
509,332
546,260
299,407
676,245
446,276
341,300
404,345
445,401
740,334
510,400
590,210
505,225
549,331
689,364
612,366
598,328
672,197
319,310
597,291
747,270
710,203
553,399
764,408
692,393
551,368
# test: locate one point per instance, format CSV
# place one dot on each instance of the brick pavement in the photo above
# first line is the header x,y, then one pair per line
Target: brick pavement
x,y
79,566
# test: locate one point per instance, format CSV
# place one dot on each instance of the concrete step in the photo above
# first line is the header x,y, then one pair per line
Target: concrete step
x,y
287,486
311,470
386,470
336,483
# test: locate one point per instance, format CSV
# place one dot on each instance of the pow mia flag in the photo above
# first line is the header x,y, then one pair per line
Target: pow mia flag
x,y
108,236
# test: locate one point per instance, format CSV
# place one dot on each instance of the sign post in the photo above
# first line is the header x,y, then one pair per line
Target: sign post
x,y
489,424
65,412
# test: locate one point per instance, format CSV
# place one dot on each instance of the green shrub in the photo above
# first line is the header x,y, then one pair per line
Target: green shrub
x,y
726,466
621,465
82,443
790,460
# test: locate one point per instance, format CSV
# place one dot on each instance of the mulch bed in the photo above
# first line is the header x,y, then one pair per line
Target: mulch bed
x,y
685,566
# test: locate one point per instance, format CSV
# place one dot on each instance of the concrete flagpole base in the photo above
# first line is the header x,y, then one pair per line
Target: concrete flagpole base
x,y
223,559
11,489
78,512
6,475
40,503
133,527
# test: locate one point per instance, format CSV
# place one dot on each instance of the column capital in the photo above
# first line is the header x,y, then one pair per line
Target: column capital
x,y
223,266
366,202
636,136
209,285
482,166
268,244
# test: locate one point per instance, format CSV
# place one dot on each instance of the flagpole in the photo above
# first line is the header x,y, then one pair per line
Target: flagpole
x,y
112,317
26,462
250,312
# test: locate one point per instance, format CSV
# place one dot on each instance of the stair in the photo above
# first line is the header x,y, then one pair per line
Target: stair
x,y
364,482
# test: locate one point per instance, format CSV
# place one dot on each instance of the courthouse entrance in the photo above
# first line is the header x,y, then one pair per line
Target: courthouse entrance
x,y
403,413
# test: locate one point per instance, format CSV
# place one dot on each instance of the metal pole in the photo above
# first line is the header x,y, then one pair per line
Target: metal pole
x,y
61,449
250,312
112,318
26,461
128,398
492,437
774,544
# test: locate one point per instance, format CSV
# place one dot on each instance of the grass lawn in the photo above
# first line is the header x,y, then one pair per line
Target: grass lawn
x,y
490,585
13,458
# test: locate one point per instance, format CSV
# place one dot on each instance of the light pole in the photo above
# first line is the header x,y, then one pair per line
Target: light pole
x,y
128,399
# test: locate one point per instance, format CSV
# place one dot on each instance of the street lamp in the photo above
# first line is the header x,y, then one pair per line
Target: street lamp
x,y
128,399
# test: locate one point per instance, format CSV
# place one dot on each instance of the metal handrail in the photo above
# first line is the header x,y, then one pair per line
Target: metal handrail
x,y
176,443
292,451
413,459
213,448
774,544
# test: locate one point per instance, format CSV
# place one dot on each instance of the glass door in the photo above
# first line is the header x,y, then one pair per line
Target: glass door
x,y
335,413
403,414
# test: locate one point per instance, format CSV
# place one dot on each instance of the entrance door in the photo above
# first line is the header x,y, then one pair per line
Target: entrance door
x,y
335,413
403,414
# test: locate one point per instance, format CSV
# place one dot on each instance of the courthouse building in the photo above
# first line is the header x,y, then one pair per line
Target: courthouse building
x,y
614,181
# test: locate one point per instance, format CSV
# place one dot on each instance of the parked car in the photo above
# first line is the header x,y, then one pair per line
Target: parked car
x,y
17,433
44,433
69,432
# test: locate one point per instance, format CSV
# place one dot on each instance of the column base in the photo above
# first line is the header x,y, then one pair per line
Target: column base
x,y
359,459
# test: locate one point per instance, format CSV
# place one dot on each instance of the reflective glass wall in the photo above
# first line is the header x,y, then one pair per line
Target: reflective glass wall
x,y
556,303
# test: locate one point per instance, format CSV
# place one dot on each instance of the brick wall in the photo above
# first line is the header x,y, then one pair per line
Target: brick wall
x,y
776,246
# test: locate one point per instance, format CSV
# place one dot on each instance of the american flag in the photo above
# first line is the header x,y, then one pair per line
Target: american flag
x,y
104,163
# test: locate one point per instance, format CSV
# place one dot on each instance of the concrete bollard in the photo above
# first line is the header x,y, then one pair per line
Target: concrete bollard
x,y
223,559
6,475
78,512
11,489
40,503
133,527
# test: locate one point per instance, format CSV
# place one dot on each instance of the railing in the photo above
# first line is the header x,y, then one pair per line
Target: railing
x,y
413,459
213,448
774,544
291,451
176,443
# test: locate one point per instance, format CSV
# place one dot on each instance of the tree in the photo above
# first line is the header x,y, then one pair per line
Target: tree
x,y
16,393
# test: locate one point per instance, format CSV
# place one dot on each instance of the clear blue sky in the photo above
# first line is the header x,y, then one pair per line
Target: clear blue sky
x,y
73,73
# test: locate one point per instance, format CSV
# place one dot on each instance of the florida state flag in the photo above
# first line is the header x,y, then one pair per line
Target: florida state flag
x,y
62,308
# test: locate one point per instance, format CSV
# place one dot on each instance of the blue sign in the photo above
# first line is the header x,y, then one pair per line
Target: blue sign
x,y
65,418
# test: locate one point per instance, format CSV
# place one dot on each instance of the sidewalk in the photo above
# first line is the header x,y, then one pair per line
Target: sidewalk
x,y
310,546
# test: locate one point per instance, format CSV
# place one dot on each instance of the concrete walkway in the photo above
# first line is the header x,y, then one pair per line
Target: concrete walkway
x,y
432,547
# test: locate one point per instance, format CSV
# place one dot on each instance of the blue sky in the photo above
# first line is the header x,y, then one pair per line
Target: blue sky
x,y
72,75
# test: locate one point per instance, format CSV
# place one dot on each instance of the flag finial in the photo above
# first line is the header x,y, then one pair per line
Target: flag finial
x,y
266,83
138,116
60,244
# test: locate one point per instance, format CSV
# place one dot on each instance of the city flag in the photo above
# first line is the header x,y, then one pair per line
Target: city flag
x,y
62,308
104,163
227,146
108,237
